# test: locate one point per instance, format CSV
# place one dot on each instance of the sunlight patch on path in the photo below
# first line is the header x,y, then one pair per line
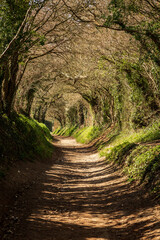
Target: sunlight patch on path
x,y
85,199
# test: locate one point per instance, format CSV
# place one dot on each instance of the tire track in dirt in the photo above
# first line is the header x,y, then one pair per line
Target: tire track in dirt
x,y
82,197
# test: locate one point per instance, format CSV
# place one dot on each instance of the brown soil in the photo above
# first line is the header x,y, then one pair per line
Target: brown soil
x,y
75,196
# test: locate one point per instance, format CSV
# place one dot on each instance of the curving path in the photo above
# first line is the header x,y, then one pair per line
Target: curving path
x,y
82,197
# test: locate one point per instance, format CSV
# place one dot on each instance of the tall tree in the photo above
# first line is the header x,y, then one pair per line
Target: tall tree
x,y
34,29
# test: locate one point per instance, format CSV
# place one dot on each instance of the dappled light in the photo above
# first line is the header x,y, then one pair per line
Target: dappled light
x,y
83,197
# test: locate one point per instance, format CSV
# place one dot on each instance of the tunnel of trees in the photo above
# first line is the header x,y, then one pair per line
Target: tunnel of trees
x,y
89,68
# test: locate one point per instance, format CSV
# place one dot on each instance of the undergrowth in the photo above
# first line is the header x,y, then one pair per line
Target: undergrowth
x,y
82,135
22,138
138,153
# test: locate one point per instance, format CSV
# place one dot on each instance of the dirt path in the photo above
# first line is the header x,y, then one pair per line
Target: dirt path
x,y
81,197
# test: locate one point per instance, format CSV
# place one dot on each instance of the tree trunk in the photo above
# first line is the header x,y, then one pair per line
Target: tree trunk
x,y
30,98
8,90
43,113
1,81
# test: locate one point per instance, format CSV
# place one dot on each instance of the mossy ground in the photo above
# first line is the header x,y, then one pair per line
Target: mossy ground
x,y
22,138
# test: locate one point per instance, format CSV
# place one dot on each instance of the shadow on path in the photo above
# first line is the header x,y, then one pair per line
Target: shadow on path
x,y
82,197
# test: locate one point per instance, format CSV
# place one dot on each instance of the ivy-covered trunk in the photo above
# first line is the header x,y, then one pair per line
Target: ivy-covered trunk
x,y
8,84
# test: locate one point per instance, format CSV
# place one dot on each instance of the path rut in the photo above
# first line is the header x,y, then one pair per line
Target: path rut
x,y
82,197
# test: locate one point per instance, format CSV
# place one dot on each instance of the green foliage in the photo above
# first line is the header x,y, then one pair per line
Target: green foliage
x,y
12,14
87,134
57,130
122,15
23,139
139,68
151,133
143,163
66,131
42,40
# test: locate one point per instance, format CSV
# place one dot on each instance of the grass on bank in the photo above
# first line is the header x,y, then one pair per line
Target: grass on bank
x,y
142,136
83,135
65,131
138,154
22,138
